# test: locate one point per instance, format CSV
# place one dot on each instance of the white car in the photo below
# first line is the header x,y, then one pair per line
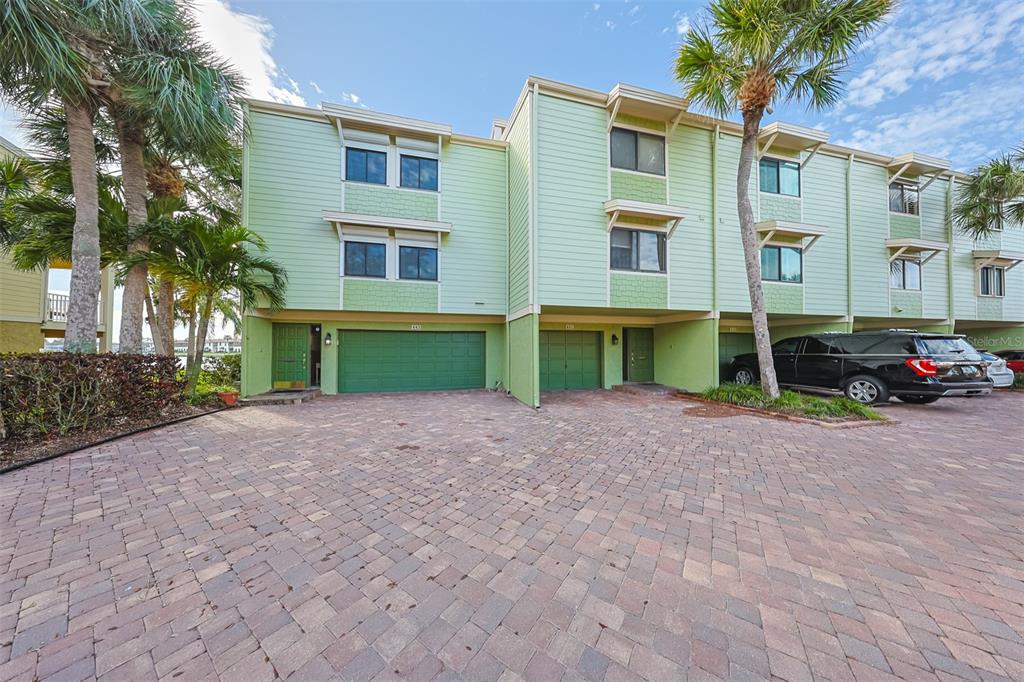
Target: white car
x,y
998,372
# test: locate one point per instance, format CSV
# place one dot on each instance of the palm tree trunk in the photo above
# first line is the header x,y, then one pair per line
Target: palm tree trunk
x,y
204,324
190,351
154,323
133,178
80,335
166,301
752,253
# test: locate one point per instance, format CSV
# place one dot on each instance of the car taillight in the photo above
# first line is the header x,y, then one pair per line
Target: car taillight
x,y
923,367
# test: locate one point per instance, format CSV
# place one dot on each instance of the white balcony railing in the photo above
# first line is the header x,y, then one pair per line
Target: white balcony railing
x,y
57,307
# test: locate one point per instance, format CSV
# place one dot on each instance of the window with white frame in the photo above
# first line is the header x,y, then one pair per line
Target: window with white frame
x,y
394,161
782,264
637,151
905,273
779,177
417,262
992,281
418,172
637,250
903,198
389,254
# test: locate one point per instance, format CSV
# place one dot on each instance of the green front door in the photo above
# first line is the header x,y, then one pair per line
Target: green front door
x,y
570,360
639,354
291,356
371,361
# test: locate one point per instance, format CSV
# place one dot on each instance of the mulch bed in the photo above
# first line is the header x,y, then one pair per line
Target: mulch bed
x,y
16,455
717,410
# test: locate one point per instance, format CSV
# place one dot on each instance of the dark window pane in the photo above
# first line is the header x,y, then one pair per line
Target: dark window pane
x,y
408,262
986,277
623,149
815,346
410,171
786,346
355,165
428,264
792,265
789,178
854,345
622,249
896,198
355,259
376,260
651,154
896,274
768,170
650,253
895,345
376,167
770,263
428,174
1000,273
911,274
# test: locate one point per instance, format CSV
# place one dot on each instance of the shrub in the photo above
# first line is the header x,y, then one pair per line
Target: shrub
x,y
225,369
54,394
791,402
1018,380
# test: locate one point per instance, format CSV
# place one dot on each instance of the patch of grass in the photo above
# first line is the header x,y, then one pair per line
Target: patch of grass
x,y
791,402
1018,381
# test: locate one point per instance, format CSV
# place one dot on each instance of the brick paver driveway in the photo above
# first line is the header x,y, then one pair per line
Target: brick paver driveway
x,y
465,536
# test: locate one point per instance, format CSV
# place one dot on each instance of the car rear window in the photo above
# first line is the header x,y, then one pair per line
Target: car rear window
x,y
873,344
953,346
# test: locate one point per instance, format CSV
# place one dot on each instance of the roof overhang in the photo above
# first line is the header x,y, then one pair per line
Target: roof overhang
x,y
672,216
917,165
997,257
644,103
342,218
791,137
917,248
388,123
785,230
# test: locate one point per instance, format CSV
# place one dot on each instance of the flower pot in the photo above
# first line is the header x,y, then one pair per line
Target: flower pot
x,y
229,398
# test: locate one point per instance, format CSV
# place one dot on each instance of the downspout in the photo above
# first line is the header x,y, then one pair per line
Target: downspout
x,y
849,243
951,304
715,313
535,349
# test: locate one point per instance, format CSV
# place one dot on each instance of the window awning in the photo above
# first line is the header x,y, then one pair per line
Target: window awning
x,y
791,137
388,123
342,218
629,99
790,231
997,257
626,208
917,165
918,248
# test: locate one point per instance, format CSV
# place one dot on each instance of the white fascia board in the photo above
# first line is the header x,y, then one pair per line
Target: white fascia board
x,y
916,245
343,218
390,122
788,228
630,99
997,257
643,209
792,136
917,164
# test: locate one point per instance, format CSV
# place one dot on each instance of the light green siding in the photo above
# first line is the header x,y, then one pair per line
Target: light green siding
x,y
902,226
689,250
990,308
292,173
638,291
783,298
474,257
639,122
391,296
572,184
732,275
905,303
638,186
257,347
519,266
393,202
1010,337
870,230
823,183
935,273
685,354
779,207
523,359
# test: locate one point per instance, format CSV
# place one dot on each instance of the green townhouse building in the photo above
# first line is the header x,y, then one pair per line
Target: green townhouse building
x,y
591,241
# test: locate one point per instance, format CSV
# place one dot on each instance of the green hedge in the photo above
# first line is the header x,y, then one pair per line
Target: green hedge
x,y
55,394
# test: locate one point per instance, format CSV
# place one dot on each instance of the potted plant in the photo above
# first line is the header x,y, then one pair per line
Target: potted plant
x,y
228,395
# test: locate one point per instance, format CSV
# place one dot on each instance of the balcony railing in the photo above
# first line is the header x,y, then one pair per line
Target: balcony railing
x,y
57,307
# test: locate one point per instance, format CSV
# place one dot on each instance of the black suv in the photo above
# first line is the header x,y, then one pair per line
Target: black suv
x,y
869,367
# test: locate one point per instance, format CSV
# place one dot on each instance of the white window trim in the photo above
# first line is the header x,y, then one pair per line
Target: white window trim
x,y
393,159
800,174
391,240
638,129
920,289
803,263
981,272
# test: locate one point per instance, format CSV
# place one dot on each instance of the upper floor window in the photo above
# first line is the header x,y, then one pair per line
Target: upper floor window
x,y
903,198
636,151
364,165
780,177
905,273
419,173
992,281
782,264
638,250
416,262
365,259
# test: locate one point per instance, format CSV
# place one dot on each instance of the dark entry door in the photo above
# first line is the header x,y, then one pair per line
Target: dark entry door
x,y
639,354
291,356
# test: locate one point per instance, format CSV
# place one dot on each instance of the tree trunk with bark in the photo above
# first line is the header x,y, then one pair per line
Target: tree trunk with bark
x,y
154,323
80,334
190,350
136,284
204,324
752,252
166,313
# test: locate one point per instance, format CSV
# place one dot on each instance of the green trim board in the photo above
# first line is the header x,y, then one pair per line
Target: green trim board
x,y
388,361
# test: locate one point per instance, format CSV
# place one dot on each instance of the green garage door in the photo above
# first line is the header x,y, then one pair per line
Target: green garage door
x,y
570,360
409,361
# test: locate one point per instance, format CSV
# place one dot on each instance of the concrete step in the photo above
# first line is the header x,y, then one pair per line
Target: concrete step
x,y
280,398
644,389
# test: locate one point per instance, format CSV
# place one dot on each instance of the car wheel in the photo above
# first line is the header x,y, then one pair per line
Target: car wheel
x,y
867,390
744,377
918,399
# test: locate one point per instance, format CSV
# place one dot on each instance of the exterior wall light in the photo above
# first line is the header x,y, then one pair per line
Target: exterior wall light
x,y
327,339
615,340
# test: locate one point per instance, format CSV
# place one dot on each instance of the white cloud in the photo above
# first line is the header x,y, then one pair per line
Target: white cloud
x,y
932,42
316,87
610,24
597,6
245,40
966,126
681,24
633,10
353,99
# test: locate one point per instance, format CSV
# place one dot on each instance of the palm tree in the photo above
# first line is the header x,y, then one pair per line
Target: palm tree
x,y
53,51
752,55
993,196
211,262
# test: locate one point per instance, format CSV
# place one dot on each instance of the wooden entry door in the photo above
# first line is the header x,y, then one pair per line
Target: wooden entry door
x,y
639,354
291,356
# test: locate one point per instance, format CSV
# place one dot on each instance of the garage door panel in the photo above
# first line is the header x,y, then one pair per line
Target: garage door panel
x,y
570,360
409,361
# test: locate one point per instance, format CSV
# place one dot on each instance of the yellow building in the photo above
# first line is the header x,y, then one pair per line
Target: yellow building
x,y
29,312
